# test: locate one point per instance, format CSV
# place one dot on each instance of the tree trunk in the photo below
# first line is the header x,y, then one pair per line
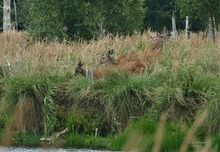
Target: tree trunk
x,y
89,73
187,27
214,26
16,17
174,25
6,15
211,28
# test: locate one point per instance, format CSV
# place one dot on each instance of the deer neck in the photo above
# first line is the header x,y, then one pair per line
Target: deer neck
x,y
83,72
111,61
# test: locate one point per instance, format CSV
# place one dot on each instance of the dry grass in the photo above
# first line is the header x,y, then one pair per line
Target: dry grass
x,y
190,136
18,47
159,133
137,142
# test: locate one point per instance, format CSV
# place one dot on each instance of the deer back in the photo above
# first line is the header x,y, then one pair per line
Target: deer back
x,y
136,66
148,55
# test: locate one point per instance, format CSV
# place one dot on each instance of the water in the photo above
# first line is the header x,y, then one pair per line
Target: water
x,y
38,149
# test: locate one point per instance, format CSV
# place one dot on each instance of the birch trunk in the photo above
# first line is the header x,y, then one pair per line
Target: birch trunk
x,y
214,26
6,15
211,28
174,25
187,27
16,17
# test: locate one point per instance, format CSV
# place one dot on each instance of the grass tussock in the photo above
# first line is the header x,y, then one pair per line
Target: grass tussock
x,y
118,97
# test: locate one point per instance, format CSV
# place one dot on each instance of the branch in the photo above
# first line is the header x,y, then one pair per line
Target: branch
x,y
51,139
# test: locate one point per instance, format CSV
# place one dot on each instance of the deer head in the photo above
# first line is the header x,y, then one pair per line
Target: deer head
x,y
107,58
79,69
158,41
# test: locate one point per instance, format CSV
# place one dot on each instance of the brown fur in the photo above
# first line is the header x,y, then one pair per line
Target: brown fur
x,y
147,55
97,73
137,55
100,73
80,70
136,67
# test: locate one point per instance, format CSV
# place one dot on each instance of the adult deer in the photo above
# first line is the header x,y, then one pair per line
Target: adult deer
x,y
135,67
158,41
148,55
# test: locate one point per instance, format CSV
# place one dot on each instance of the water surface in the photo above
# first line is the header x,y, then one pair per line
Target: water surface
x,y
38,149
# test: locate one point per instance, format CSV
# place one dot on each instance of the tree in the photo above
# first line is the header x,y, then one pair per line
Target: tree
x,y
204,10
6,15
159,13
124,16
42,18
82,18
1,16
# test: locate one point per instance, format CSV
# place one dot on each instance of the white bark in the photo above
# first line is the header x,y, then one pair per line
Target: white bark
x,y
16,16
187,27
211,29
9,67
6,15
214,26
89,73
174,25
96,132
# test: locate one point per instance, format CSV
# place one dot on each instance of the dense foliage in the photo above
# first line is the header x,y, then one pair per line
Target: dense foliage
x,y
87,19
82,19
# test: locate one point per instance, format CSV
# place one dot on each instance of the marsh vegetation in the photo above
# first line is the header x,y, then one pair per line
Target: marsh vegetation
x,y
172,105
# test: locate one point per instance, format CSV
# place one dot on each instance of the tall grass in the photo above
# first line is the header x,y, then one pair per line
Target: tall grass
x,y
24,98
185,92
29,104
145,130
43,95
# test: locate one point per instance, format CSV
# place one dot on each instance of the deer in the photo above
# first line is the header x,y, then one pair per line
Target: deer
x,y
158,41
148,55
97,73
135,55
80,70
135,67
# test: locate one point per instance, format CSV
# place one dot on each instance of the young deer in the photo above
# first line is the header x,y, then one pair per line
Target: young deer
x,y
80,70
136,67
97,73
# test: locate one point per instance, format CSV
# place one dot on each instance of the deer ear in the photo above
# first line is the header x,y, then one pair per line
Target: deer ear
x,y
80,63
111,51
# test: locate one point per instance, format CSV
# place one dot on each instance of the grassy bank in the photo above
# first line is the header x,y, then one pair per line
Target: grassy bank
x,y
40,96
